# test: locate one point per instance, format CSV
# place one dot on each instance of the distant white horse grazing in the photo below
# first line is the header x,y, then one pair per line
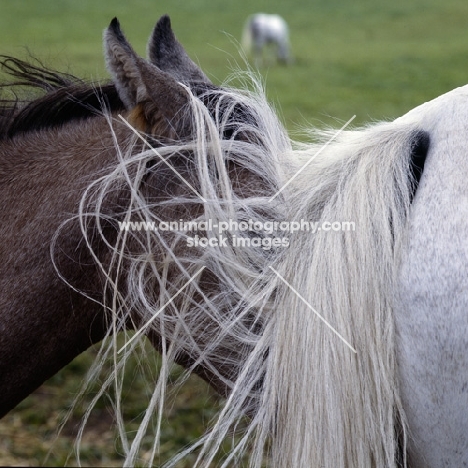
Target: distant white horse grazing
x,y
261,30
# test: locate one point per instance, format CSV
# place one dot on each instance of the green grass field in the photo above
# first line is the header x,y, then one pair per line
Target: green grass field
x,y
372,59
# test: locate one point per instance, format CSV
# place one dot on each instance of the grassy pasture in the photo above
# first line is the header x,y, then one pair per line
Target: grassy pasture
x,y
374,59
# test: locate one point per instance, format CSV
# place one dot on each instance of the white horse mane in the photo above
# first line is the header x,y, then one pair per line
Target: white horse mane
x,y
312,400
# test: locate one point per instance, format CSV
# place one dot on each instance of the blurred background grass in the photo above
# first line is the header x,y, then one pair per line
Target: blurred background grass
x,y
373,58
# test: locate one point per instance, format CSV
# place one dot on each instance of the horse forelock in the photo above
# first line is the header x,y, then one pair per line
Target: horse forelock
x,y
43,98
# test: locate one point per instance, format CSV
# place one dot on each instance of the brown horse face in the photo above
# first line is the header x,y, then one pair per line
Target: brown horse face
x,y
201,144
157,91
153,91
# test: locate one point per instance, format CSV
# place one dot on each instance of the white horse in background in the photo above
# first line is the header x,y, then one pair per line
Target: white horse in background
x,y
261,31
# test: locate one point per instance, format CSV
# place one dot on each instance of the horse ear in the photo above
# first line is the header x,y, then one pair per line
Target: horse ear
x,y
121,62
153,96
167,53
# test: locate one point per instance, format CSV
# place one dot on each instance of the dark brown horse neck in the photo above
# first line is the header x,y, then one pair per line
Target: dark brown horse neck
x,y
45,324
51,150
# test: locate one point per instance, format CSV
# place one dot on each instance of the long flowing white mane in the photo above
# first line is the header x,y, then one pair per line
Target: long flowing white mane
x,y
311,399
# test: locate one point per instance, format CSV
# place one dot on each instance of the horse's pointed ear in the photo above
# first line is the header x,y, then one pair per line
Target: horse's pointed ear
x,y
121,62
166,52
154,96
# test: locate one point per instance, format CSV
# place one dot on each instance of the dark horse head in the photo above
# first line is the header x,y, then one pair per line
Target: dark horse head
x,y
81,167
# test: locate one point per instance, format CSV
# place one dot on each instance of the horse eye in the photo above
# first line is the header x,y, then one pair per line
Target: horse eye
x,y
228,133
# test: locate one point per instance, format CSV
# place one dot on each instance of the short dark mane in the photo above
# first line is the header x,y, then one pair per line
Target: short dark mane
x,y
43,98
